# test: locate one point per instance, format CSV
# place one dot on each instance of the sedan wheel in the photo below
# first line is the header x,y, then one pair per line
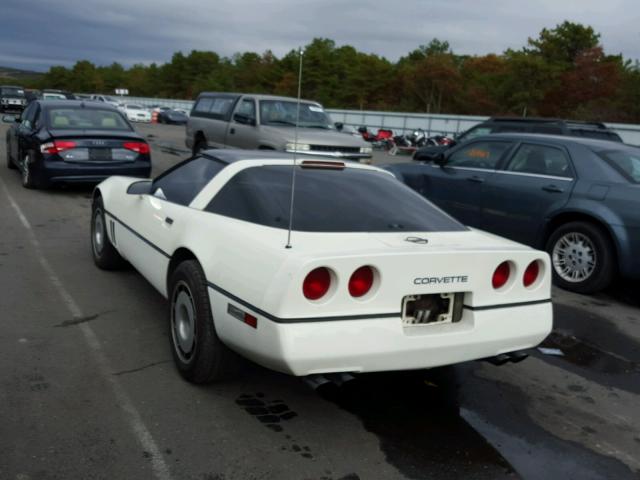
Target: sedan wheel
x,y
583,257
27,179
574,257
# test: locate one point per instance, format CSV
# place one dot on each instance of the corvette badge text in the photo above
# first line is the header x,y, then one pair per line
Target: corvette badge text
x,y
436,280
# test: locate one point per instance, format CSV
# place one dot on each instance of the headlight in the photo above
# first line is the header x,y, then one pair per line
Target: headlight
x,y
298,146
368,150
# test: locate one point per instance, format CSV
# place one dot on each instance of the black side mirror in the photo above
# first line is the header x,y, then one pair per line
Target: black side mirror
x,y
244,119
142,187
440,159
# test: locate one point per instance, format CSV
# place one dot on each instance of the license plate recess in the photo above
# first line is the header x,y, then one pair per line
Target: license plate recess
x,y
432,309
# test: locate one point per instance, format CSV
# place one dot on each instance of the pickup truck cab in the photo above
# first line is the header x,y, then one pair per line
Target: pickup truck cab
x,y
265,122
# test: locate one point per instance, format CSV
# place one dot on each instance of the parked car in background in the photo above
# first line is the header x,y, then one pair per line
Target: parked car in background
x,y
12,99
159,108
136,113
267,122
66,141
173,117
577,198
105,99
546,126
50,94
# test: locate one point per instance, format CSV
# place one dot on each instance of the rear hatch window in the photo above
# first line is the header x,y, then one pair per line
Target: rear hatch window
x,y
347,200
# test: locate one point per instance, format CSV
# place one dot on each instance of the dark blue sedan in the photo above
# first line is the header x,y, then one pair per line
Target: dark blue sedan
x,y
577,198
70,141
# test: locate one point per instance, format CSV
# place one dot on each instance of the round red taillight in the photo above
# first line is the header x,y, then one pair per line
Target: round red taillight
x,y
316,284
361,281
531,274
501,275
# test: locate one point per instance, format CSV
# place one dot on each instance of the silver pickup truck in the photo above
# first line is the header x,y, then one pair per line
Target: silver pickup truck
x,y
232,120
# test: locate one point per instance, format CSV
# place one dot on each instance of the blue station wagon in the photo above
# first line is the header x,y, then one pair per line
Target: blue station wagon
x,y
577,198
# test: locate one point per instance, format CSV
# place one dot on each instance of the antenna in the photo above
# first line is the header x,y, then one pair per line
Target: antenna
x,y
295,149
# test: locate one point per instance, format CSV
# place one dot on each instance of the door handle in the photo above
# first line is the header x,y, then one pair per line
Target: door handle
x,y
476,179
232,131
168,221
552,189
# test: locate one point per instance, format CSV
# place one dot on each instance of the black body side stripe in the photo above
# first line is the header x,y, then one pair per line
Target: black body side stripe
x,y
507,305
273,318
155,247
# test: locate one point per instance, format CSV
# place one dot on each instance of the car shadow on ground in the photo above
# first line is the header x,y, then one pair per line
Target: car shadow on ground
x,y
415,415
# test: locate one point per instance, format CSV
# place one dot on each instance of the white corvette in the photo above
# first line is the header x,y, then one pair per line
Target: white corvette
x,y
375,277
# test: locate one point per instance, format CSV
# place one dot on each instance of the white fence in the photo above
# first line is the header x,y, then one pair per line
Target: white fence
x,y
398,122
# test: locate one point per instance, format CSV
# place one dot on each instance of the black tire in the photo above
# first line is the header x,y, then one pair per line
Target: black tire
x,y
199,145
10,164
198,352
27,176
105,255
595,240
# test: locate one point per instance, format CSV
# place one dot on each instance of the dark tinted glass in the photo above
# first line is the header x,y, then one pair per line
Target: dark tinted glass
x,y
597,134
348,200
541,160
85,119
480,154
626,161
182,183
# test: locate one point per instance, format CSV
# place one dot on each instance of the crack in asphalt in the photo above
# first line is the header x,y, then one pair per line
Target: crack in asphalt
x,y
133,370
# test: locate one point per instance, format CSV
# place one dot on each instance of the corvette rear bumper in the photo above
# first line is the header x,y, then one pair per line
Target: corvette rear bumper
x,y
382,344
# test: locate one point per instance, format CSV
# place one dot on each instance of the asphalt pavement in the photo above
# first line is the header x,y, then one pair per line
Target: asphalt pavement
x,y
88,389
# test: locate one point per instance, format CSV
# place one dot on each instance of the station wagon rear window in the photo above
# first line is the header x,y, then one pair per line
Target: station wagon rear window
x,y
347,200
85,119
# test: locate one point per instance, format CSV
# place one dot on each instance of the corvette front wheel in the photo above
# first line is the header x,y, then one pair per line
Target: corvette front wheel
x,y
198,352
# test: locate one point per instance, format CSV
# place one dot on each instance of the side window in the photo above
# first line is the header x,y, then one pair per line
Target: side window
x,y
247,108
203,105
181,184
541,160
221,107
484,155
473,133
28,116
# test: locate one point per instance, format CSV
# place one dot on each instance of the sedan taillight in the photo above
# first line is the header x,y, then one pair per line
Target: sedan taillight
x,y
139,147
57,146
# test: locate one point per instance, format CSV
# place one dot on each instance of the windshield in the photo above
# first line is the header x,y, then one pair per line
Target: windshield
x,y
283,113
627,162
134,107
18,92
347,200
85,119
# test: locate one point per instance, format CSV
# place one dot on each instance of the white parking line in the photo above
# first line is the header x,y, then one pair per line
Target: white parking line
x,y
142,433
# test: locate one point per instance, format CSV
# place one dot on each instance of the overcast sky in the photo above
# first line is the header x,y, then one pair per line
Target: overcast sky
x,y
36,34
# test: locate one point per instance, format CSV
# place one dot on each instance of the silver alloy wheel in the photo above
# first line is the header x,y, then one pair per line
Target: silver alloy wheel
x,y
183,321
98,232
25,171
574,257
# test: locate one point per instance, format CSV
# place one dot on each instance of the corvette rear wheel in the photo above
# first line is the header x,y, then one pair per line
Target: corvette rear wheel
x,y
198,352
582,256
105,255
